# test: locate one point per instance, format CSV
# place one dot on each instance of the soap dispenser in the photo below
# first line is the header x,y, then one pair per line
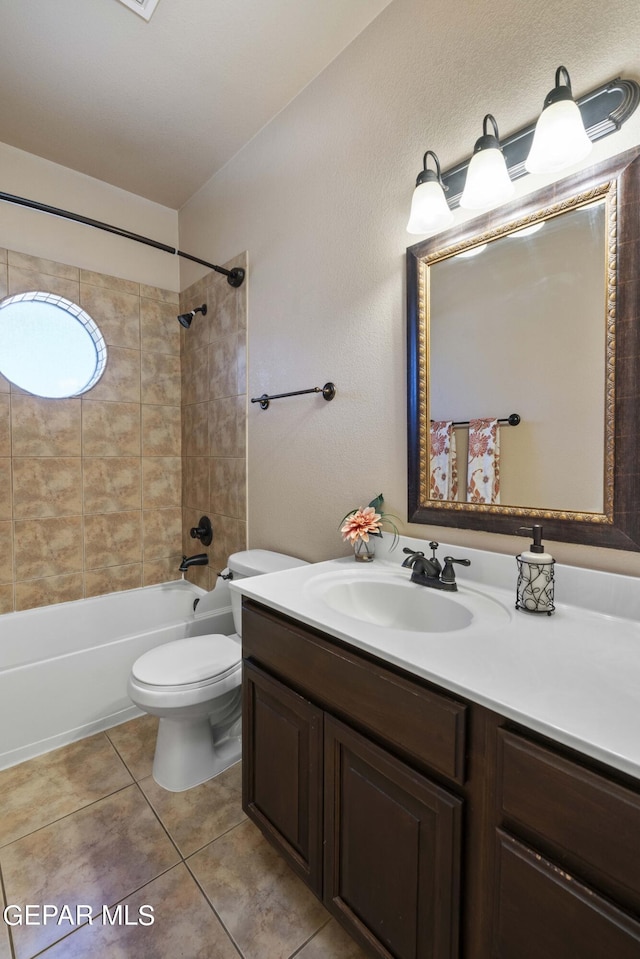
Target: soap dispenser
x,y
534,592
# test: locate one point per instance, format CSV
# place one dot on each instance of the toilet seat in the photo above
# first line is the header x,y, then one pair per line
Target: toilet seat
x,y
188,663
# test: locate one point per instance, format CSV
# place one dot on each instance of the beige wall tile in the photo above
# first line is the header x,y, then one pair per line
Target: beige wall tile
x,y
195,376
161,381
112,579
195,429
223,427
6,553
224,317
225,482
112,539
38,265
111,484
121,378
117,315
48,547
98,438
241,425
162,533
6,606
161,431
223,366
110,429
24,281
5,488
166,296
162,570
53,589
109,282
195,485
43,427
5,424
159,327
47,486
161,481
241,362
227,540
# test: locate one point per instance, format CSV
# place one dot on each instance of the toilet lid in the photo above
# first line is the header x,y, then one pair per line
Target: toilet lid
x,y
187,661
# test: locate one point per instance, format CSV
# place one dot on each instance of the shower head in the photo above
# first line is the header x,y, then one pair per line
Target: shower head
x,y
185,318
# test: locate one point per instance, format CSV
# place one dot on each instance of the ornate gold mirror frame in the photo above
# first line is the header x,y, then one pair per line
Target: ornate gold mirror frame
x,y
618,524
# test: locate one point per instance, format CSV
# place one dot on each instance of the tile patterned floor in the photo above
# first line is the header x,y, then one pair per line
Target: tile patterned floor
x,y
88,826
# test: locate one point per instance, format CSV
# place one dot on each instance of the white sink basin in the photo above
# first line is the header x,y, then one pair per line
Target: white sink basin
x,y
392,601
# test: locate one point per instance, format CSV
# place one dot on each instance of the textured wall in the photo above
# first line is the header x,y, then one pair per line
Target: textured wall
x,y
90,487
214,419
320,199
41,235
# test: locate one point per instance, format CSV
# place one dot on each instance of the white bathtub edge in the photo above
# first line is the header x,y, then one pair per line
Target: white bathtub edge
x,y
15,756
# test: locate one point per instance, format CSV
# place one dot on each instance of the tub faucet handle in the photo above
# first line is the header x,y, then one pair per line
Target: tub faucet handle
x,y
203,531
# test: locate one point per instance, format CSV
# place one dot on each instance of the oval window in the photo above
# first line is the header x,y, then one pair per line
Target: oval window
x,y
49,346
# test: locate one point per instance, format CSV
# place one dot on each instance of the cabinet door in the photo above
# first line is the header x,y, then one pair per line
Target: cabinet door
x,y
392,850
282,771
543,911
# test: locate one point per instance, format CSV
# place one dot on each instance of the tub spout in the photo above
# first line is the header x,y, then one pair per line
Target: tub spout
x,y
200,559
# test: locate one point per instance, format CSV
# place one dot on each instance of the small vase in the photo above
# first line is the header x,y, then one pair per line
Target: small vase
x,y
364,550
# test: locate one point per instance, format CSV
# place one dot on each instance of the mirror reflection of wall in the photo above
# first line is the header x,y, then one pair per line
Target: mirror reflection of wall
x,y
521,327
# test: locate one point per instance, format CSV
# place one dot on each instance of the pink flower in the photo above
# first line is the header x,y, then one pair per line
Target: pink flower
x,y
360,524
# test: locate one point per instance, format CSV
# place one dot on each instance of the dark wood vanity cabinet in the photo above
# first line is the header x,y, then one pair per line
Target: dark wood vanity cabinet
x,y
431,827
568,857
335,754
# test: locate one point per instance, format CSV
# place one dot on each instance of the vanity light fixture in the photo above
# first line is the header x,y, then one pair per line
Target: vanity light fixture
x,y
488,182
429,209
603,111
560,139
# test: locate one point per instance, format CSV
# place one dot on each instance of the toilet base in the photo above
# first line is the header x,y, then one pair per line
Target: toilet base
x,y
186,754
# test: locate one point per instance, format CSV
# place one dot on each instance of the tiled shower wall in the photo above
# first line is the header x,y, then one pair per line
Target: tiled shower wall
x,y
214,404
90,488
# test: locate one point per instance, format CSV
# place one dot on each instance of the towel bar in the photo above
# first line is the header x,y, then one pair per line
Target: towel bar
x,y
513,420
328,392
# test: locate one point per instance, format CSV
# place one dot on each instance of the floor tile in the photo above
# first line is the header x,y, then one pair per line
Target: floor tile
x,y
67,778
332,942
267,910
196,816
95,856
136,744
184,926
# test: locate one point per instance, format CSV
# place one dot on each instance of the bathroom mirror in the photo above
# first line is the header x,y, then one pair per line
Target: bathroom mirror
x,y
532,309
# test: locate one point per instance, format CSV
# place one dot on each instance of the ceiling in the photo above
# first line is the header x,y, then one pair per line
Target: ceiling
x,y
157,107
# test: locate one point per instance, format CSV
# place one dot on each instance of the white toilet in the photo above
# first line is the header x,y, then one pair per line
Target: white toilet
x,y
194,686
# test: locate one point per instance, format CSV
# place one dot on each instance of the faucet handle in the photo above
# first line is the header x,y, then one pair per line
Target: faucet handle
x,y
448,573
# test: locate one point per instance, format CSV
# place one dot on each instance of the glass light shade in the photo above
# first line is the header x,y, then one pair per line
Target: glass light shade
x,y
487,182
560,139
429,209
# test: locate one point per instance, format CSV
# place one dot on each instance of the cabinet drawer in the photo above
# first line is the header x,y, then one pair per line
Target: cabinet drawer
x,y
544,912
417,721
588,822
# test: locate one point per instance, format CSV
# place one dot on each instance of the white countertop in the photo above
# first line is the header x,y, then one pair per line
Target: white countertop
x,y
573,676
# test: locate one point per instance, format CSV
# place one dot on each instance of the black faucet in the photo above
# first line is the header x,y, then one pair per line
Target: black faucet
x,y
429,572
200,559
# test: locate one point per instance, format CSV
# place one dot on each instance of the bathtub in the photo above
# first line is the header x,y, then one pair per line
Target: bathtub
x,y
64,668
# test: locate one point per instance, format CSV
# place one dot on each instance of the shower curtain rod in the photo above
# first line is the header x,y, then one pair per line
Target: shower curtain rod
x,y
234,277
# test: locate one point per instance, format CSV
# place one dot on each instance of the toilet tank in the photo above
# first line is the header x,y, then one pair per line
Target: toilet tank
x,y
255,562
